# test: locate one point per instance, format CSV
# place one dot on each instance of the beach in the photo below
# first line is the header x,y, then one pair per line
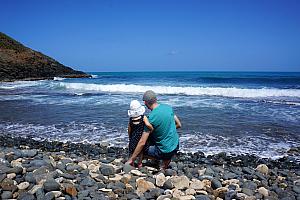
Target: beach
x,y
31,169
67,138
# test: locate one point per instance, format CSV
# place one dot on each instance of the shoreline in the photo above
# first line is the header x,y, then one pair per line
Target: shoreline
x,y
96,171
47,78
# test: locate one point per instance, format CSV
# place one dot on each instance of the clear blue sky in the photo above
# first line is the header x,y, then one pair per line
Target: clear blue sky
x,y
124,35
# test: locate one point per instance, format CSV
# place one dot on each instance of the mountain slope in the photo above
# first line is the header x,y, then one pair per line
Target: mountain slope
x,y
18,62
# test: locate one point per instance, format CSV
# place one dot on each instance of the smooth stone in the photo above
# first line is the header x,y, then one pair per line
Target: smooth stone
x,y
262,168
168,184
160,180
215,183
202,197
190,192
23,185
143,186
164,197
137,173
8,185
247,191
296,189
170,172
26,196
250,185
88,182
11,175
34,189
16,170
49,196
230,175
7,195
180,182
51,185
155,193
196,184
29,153
107,170
71,190
263,191
38,163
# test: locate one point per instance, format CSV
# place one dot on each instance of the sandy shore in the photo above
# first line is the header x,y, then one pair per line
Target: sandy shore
x,y
54,170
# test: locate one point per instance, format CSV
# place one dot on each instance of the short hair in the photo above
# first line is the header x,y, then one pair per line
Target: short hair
x,y
149,97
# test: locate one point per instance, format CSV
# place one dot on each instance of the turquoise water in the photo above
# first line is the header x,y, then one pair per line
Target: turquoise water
x,y
236,112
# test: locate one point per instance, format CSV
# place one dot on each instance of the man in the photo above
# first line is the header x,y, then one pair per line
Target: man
x,y
164,140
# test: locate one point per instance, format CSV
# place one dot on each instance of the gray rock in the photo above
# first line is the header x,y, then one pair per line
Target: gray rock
x,y
156,192
49,196
215,183
38,163
168,184
247,170
170,172
247,191
88,182
250,185
83,193
29,153
230,195
6,195
73,167
296,189
40,195
51,185
127,168
107,170
202,197
230,175
26,196
209,171
16,170
30,178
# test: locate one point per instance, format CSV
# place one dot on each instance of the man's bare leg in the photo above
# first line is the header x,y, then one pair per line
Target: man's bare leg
x,y
166,164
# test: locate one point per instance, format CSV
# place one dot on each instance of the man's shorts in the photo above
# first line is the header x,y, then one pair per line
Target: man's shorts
x,y
155,152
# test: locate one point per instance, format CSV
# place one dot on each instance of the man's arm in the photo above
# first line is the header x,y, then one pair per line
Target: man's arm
x,y
177,122
139,147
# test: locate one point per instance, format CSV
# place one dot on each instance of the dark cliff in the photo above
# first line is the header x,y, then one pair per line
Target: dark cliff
x,y
18,62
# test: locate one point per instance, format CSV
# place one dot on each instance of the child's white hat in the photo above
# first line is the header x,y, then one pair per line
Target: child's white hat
x,y
136,109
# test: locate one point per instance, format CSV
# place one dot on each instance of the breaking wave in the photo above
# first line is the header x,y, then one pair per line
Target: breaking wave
x,y
193,91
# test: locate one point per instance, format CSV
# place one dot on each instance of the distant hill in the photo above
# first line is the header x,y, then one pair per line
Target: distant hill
x,y
18,62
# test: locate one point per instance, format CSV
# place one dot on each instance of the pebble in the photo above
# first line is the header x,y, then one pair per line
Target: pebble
x,y
70,174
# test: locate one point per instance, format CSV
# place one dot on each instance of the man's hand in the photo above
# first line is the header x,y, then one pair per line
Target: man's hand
x,y
139,147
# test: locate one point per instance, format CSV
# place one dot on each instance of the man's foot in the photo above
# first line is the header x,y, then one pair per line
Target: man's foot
x,y
139,165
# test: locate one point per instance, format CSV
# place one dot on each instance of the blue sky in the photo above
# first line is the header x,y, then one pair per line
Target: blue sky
x,y
125,35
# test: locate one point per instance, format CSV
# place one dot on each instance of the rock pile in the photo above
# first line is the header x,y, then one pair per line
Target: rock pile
x,y
33,173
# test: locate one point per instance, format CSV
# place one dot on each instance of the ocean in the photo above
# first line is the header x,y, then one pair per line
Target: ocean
x,y
233,112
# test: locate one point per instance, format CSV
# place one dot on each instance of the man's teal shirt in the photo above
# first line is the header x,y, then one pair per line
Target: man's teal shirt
x,y
164,136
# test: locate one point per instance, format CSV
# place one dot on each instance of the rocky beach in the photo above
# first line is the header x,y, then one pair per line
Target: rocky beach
x,y
31,169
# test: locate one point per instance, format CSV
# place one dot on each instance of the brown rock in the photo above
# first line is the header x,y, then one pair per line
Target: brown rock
x,y
71,190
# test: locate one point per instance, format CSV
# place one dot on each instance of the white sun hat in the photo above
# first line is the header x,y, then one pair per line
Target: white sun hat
x,y
136,109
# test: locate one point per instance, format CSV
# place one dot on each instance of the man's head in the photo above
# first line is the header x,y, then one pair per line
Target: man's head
x,y
149,98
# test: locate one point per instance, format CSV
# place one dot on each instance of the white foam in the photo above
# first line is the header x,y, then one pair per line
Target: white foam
x,y
20,84
58,79
193,91
94,76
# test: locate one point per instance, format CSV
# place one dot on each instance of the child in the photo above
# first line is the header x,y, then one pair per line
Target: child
x,y
136,124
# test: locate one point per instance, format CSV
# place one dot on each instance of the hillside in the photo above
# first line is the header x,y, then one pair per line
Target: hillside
x,y
18,62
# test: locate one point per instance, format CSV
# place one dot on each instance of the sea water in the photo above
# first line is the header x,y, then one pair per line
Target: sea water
x,y
235,112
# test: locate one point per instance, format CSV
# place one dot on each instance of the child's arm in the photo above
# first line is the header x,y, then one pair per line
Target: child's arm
x,y
177,122
147,123
129,129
